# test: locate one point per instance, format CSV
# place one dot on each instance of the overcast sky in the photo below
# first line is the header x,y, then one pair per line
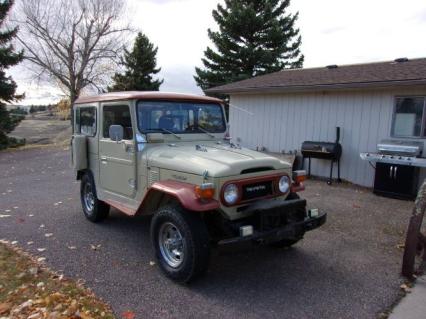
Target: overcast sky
x,y
333,32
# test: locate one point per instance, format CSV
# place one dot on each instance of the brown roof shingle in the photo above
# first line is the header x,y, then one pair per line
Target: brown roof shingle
x,y
380,74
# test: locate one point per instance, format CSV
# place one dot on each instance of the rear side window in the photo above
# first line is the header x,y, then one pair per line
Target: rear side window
x,y
85,121
117,115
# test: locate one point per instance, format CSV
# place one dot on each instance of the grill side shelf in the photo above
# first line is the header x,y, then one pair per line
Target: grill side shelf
x,y
380,158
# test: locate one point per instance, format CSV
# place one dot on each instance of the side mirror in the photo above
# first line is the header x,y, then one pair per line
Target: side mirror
x,y
116,132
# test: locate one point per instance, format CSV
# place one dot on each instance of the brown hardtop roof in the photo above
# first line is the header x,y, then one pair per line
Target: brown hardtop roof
x,y
145,95
378,74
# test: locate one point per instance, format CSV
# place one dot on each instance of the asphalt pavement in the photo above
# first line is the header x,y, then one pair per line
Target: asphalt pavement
x,y
349,268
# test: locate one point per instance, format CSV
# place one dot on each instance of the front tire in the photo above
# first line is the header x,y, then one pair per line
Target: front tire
x,y
94,209
181,243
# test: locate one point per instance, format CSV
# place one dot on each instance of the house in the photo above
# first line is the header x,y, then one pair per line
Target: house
x,y
369,102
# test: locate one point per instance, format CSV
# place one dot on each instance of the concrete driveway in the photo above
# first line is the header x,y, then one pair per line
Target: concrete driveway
x,y
349,268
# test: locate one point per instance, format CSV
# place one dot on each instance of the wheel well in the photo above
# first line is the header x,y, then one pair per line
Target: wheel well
x,y
80,173
154,200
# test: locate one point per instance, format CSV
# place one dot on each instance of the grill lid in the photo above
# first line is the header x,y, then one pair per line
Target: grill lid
x,y
398,147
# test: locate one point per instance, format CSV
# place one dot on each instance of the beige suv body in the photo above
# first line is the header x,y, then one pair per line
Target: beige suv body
x,y
169,155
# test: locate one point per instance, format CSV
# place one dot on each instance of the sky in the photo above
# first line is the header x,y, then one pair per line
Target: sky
x,y
333,32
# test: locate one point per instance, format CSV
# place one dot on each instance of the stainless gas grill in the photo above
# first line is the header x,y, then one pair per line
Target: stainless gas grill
x,y
397,167
397,152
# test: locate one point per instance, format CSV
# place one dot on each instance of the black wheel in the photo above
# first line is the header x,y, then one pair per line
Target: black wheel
x,y
94,209
181,243
289,242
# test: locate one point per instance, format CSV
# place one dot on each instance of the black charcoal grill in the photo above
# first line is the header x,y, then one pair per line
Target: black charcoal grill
x,y
331,151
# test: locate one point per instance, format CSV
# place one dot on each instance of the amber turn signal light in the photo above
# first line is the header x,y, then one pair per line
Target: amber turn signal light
x,y
299,176
205,191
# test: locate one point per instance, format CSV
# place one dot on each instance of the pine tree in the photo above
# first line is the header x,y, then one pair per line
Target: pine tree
x,y
255,37
8,58
140,67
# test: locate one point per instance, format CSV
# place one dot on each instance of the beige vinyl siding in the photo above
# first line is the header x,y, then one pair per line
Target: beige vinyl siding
x,y
283,121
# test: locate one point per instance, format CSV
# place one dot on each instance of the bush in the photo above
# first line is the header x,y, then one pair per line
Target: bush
x,y
19,111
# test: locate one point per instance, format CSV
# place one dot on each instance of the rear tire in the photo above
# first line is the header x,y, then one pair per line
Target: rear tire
x,y
181,243
94,209
285,243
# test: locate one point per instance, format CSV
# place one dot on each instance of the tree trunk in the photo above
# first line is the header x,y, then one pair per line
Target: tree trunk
x,y
73,98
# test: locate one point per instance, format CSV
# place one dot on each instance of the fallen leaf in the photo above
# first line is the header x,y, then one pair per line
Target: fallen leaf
x,y
41,259
42,226
21,275
33,271
152,263
95,247
400,246
4,216
405,287
30,243
14,242
36,315
4,308
128,315
31,215
15,207
72,247
41,249
48,235
7,210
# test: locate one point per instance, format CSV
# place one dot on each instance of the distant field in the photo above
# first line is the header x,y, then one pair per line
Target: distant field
x,y
43,129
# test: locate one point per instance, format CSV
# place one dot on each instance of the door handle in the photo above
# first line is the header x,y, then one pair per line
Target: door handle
x,y
395,169
391,172
104,160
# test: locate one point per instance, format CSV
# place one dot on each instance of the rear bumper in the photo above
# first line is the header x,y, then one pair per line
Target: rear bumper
x,y
277,209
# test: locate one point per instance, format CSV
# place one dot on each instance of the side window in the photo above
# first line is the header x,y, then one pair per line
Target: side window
x,y
117,115
85,121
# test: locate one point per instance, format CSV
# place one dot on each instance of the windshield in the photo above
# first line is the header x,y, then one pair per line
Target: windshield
x,y
180,117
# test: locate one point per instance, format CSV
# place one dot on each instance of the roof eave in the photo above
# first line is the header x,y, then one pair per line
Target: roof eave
x,y
316,88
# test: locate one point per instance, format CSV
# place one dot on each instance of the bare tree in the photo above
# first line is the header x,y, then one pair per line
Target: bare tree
x,y
73,43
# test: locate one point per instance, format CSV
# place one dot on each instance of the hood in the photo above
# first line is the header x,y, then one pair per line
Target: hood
x,y
220,160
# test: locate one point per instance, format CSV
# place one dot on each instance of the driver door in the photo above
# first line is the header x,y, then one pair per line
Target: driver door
x,y
117,158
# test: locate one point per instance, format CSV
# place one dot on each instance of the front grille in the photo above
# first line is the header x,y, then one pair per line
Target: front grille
x,y
262,189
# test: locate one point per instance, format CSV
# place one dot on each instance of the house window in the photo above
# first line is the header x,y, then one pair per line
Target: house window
x,y
86,121
409,117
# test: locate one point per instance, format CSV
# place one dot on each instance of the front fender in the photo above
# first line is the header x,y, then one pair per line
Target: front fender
x,y
184,194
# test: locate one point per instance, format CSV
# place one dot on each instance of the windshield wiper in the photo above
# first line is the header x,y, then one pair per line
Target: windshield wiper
x,y
205,131
170,132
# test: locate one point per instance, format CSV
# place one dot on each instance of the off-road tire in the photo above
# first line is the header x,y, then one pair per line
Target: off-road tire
x,y
285,243
195,239
98,210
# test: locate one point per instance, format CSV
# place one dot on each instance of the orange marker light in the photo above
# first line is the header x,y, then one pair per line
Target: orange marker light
x,y
299,179
205,191
299,176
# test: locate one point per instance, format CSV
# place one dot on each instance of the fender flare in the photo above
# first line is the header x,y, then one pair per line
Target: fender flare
x,y
184,193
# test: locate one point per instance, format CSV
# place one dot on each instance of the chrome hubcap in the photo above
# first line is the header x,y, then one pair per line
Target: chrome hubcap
x,y
171,244
88,197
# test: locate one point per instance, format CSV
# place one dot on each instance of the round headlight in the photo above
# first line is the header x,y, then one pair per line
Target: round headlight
x,y
230,194
284,184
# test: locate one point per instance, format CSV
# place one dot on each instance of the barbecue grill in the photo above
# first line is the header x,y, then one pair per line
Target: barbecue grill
x,y
397,167
331,151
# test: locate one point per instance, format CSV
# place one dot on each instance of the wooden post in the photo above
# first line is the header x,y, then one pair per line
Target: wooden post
x,y
415,241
